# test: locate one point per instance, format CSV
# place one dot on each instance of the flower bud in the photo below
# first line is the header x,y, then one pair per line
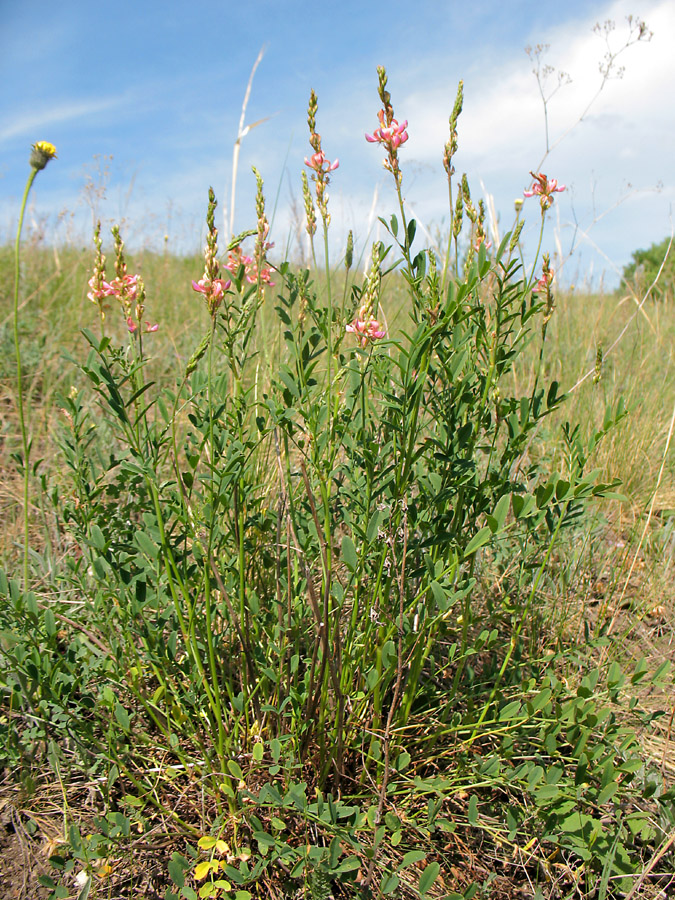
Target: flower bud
x,y
41,153
349,253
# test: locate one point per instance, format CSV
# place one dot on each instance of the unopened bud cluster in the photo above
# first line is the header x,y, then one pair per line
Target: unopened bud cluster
x,y
543,286
318,162
211,285
262,273
451,146
364,324
310,211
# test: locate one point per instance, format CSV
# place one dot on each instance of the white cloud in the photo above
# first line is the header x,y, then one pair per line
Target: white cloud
x,y
627,134
30,123
503,113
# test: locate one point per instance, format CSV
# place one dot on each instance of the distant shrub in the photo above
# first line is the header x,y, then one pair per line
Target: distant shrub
x,y
644,269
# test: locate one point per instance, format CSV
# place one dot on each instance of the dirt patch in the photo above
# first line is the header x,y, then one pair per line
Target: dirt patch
x,y
20,863
32,832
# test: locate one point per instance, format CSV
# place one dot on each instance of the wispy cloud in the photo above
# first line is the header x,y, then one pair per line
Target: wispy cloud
x,y
503,112
67,111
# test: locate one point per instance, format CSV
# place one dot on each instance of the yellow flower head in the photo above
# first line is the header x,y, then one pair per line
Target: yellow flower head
x,y
42,152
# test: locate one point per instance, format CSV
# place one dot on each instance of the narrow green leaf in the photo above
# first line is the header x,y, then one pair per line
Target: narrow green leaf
x,y
235,769
389,884
412,228
50,623
542,698
97,538
607,792
410,858
510,711
501,509
349,555
350,864
122,716
428,876
478,540
264,839
146,545
177,867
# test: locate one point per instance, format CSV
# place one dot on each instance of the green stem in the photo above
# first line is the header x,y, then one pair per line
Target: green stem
x,y
448,250
19,379
519,628
406,246
530,280
329,338
215,684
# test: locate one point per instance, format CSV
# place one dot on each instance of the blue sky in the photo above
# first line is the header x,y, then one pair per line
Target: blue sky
x,y
152,93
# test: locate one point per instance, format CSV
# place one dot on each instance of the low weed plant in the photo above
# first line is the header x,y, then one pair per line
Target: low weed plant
x,y
299,619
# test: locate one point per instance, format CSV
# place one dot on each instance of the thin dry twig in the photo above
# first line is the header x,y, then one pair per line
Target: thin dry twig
x,y
241,134
646,526
670,840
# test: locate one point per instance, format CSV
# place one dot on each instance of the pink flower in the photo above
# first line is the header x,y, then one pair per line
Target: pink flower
x,y
544,282
131,325
236,258
99,290
366,326
392,136
150,328
213,290
265,276
320,164
126,287
480,239
544,187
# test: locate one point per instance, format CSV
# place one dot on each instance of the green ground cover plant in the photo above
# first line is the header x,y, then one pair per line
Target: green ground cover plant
x,y
284,595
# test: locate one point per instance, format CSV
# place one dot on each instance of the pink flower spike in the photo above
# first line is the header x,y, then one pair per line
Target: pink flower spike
x,y
545,281
544,188
320,164
96,294
367,329
125,287
220,286
392,136
215,288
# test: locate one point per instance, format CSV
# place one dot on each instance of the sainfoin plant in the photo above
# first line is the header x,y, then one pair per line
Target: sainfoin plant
x,y
288,647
